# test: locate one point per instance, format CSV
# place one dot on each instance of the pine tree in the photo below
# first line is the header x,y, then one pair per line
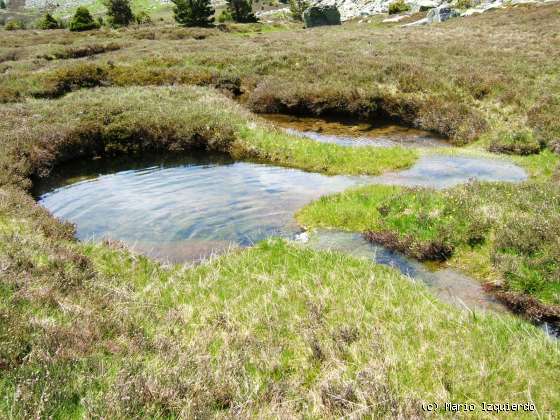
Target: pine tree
x,y
48,22
2,4
241,10
193,12
119,12
82,20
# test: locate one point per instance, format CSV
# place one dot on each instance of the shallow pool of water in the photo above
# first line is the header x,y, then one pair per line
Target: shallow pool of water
x,y
186,208
181,209
442,171
354,133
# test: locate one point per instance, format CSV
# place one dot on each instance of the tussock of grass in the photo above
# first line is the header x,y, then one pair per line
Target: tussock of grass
x,y
514,227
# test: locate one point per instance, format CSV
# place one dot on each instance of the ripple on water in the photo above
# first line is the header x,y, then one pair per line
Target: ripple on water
x,y
162,207
202,203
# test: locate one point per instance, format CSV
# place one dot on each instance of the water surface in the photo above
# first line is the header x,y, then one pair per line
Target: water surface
x,y
355,133
185,208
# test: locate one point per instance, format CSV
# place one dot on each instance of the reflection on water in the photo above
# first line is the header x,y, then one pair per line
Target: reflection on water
x,y
184,209
355,134
441,171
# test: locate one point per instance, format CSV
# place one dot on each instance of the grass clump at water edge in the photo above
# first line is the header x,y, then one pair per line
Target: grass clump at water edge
x,y
503,233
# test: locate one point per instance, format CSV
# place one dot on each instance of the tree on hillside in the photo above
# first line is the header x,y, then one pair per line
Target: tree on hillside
x,y
193,12
48,22
119,12
2,4
82,20
297,7
241,10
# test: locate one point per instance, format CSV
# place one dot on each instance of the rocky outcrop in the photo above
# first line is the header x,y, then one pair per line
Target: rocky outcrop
x,y
321,15
350,9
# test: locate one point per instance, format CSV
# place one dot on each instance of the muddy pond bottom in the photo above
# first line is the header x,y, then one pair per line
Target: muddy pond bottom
x,y
354,133
183,209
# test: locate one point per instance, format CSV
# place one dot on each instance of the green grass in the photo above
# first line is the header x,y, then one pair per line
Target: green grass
x,y
500,232
274,330
90,330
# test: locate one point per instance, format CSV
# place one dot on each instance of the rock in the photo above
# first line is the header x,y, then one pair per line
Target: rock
x,y
423,5
394,19
417,23
441,13
481,8
321,15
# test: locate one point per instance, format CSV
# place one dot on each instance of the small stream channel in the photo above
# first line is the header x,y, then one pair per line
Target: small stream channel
x,y
182,209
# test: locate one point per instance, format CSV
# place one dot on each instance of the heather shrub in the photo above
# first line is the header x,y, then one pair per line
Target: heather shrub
x,y
521,142
398,6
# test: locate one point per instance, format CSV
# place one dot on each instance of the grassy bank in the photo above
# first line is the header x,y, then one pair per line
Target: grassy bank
x,y
505,234
275,330
492,77
39,134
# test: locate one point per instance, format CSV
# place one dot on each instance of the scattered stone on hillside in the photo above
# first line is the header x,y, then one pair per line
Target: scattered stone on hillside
x,y
436,15
423,5
321,15
441,13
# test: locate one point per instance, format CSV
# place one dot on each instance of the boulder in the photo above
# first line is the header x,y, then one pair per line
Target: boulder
x,y
321,15
441,13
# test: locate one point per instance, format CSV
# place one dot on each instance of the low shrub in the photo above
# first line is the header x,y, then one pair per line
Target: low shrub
x,y
67,79
543,118
14,25
143,18
83,51
297,7
464,4
48,22
224,16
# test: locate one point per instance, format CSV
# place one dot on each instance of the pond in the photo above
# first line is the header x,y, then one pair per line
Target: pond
x,y
183,208
186,208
